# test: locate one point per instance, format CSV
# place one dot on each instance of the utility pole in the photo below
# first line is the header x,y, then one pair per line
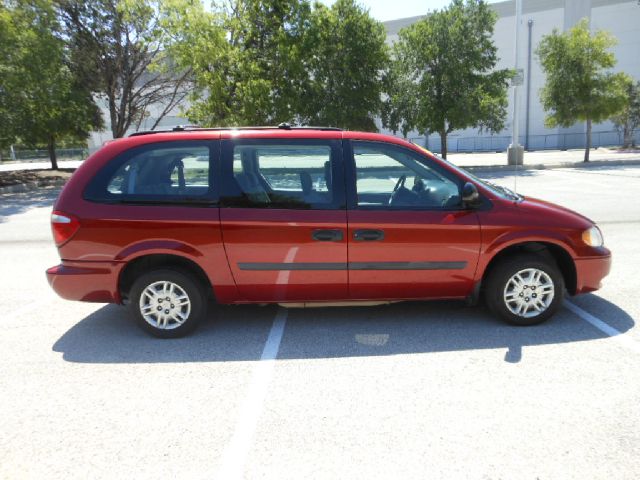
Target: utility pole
x,y
515,153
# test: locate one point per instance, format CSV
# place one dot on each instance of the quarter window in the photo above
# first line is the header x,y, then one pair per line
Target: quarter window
x,y
168,172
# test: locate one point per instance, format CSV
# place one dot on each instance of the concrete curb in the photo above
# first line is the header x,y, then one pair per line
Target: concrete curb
x,y
542,166
27,187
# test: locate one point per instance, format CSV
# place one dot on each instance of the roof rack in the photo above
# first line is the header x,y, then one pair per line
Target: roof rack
x,y
196,128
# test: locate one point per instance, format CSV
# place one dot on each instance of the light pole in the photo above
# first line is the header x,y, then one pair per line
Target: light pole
x,y
515,153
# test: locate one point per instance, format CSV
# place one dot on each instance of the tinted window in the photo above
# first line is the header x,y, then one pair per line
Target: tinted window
x,y
395,177
282,175
167,172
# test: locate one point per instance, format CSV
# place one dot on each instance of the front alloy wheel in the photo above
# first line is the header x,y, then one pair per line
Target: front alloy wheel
x,y
524,289
529,292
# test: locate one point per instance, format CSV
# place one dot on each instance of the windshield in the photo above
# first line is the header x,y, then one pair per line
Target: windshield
x,y
499,190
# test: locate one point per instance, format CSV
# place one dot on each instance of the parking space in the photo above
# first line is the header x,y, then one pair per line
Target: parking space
x,y
461,399
408,390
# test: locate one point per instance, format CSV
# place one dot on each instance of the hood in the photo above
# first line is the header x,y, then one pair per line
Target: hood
x,y
553,213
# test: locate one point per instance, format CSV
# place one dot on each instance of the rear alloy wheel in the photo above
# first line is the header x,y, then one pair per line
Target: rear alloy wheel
x,y
525,290
167,303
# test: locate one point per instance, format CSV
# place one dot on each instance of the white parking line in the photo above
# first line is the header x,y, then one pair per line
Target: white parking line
x,y
235,454
603,327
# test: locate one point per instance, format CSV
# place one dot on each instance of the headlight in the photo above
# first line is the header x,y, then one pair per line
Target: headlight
x,y
593,237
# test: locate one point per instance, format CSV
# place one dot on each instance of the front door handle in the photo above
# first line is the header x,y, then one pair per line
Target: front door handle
x,y
327,235
368,235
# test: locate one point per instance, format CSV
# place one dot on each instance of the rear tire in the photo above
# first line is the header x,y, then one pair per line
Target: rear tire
x,y
167,303
525,290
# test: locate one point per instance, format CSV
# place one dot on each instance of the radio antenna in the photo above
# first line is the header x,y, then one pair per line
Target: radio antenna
x,y
515,179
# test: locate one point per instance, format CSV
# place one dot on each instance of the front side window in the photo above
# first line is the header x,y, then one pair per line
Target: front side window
x,y
282,175
167,172
392,176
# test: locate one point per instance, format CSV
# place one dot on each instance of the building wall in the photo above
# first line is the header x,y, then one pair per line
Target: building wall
x,y
97,139
620,17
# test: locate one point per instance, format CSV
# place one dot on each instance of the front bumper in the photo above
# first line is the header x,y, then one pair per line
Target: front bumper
x,y
590,272
86,281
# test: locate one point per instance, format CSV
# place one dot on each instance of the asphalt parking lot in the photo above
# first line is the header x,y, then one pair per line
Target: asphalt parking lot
x,y
410,390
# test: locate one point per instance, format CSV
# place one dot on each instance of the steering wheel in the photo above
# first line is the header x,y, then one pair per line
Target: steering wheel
x,y
399,185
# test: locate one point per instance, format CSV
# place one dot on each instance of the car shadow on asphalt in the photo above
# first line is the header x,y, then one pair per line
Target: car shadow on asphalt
x,y
15,203
238,333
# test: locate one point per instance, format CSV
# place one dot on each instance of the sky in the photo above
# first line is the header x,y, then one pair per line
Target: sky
x,y
384,10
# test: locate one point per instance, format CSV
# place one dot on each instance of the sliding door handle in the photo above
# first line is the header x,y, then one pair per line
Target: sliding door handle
x,y
327,235
368,235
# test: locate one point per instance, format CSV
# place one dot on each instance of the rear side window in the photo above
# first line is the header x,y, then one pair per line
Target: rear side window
x,y
171,172
279,174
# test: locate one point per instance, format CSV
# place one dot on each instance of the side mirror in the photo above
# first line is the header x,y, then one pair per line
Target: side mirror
x,y
470,195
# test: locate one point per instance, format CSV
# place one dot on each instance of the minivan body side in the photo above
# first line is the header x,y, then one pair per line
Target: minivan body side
x,y
322,247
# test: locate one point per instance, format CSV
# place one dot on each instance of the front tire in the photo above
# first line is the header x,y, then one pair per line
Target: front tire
x,y
525,289
167,303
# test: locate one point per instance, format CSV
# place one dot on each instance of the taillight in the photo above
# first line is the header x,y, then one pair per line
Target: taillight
x,y
63,226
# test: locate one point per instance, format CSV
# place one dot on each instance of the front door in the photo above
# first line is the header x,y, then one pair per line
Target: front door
x,y
283,219
409,236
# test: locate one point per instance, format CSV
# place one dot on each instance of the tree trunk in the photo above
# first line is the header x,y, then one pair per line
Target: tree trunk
x,y
627,139
588,146
51,147
443,144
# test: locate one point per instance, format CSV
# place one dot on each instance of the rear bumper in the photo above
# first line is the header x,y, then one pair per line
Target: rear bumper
x,y
591,271
86,281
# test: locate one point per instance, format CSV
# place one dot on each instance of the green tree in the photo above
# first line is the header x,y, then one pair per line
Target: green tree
x,y
271,61
443,75
347,56
42,99
119,51
199,43
579,85
628,119
246,59
8,87
267,36
400,107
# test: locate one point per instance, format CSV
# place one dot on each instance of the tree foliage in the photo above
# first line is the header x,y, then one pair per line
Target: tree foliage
x,y
119,50
443,75
579,84
271,61
347,56
628,119
245,56
42,101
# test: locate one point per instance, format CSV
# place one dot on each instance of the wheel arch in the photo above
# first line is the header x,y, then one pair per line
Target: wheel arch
x,y
154,261
552,251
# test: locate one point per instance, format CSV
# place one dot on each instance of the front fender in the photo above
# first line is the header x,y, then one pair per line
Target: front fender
x,y
512,238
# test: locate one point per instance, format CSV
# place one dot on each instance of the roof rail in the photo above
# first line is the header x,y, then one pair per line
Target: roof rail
x,y
195,128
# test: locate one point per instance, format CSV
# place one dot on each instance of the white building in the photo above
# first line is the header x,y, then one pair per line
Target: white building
x,y
539,17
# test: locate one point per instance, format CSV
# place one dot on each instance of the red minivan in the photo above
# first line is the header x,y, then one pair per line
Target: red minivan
x,y
167,221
